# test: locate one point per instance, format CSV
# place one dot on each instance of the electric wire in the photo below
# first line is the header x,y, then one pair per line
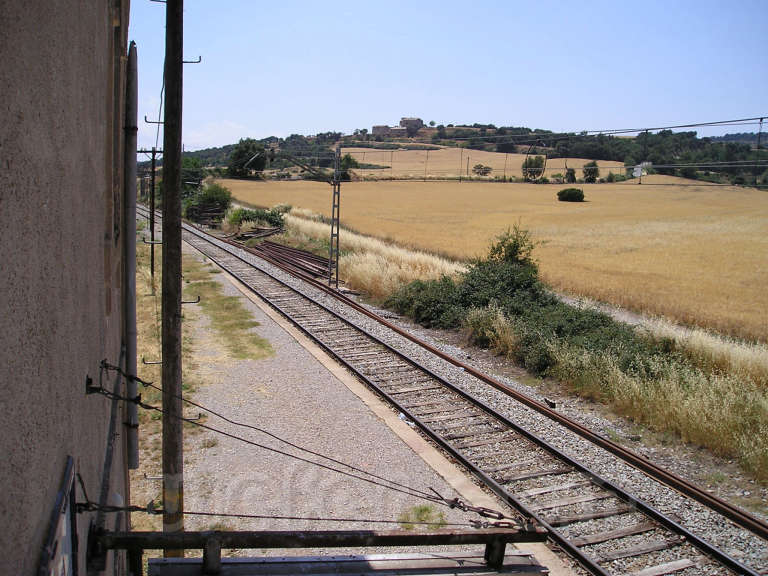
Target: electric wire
x,y
266,432
407,491
92,506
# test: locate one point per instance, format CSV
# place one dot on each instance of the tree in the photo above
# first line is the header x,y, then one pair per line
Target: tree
x,y
441,131
591,172
432,123
533,167
244,151
411,130
570,176
481,170
348,161
191,175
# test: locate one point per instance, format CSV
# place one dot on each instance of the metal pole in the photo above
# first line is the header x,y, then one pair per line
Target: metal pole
x,y
152,219
757,150
461,161
129,265
333,248
173,460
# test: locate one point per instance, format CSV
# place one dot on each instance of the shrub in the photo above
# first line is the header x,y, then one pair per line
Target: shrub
x,y
431,303
570,195
273,217
514,245
213,198
481,169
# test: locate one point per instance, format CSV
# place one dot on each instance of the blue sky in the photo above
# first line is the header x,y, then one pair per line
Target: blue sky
x,y
280,67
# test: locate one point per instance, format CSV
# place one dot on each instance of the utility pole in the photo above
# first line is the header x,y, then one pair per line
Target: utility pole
x,y
426,163
173,457
467,167
333,247
757,150
154,153
461,161
152,219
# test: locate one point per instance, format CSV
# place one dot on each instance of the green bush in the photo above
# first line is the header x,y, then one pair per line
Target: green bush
x,y
273,217
213,198
431,303
570,195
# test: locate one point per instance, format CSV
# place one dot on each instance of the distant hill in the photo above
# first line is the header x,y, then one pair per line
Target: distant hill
x,y
671,153
741,137
212,156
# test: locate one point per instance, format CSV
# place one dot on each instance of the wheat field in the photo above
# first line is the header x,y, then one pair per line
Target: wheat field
x,y
696,254
455,162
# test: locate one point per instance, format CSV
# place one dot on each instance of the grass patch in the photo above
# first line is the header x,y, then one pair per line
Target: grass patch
x,y
231,321
412,518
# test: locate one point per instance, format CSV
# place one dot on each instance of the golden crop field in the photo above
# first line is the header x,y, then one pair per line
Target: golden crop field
x,y
694,253
453,162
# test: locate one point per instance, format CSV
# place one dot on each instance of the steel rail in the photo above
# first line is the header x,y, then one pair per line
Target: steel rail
x,y
556,536
497,488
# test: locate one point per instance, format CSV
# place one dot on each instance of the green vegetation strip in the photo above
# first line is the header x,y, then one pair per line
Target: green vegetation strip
x,y
231,321
501,304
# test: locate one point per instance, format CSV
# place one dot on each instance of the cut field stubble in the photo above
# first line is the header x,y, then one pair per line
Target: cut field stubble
x,y
694,254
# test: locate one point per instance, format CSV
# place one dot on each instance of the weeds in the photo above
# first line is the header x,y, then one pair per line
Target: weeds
x,y
414,517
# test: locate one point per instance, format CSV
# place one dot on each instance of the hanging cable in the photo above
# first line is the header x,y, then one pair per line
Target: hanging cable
x,y
137,400
88,506
146,384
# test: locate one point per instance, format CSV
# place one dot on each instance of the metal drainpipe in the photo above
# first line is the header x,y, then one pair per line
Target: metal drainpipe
x,y
129,243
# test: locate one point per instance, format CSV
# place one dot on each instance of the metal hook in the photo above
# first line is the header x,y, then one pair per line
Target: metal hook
x,y
191,301
199,59
151,241
143,361
148,121
199,417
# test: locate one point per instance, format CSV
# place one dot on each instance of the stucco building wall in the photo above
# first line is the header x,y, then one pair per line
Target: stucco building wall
x,y
61,115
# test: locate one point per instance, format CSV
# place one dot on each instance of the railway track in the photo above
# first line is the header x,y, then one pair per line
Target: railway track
x,y
605,528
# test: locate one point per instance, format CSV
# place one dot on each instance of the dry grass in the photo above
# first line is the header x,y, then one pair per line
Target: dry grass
x,y
370,265
696,255
453,162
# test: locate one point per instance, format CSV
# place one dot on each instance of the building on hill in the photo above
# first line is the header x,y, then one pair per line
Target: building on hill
x,y
412,123
63,229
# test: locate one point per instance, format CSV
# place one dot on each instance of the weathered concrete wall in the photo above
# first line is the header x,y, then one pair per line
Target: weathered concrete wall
x,y
61,87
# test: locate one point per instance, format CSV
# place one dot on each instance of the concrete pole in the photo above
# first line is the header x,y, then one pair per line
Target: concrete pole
x,y
129,253
173,447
